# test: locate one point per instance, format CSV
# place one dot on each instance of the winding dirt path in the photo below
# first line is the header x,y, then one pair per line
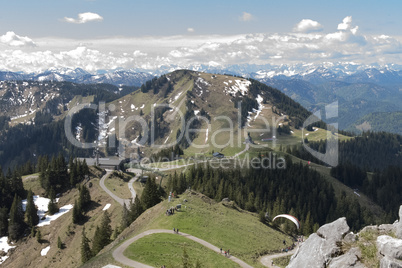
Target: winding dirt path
x,y
119,200
119,256
267,259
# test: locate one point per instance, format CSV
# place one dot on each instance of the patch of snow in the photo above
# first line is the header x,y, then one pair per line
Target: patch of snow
x,y
132,106
166,140
142,107
40,202
226,83
63,210
44,251
260,106
107,206
196,112
240,85
291,131
356,193
4,246
307,134
177,96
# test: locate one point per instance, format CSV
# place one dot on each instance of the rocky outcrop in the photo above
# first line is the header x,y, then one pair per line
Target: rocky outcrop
x,y
323,249
320,248
349,259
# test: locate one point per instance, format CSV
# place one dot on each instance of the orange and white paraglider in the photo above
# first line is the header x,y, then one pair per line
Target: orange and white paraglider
x,y
289,217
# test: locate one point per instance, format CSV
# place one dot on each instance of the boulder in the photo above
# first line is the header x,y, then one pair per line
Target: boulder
x,y
389,246
349,259
321,247
388,262
350,238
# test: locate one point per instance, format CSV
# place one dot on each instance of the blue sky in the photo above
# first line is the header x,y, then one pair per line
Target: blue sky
x,y
179,32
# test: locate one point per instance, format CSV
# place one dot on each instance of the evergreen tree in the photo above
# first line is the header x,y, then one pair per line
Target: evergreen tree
x,y
3,221
150,196
86,253
16,223
52,206
85,197
103,234
77,214
125,218
136,209
31,212
59,243
39,236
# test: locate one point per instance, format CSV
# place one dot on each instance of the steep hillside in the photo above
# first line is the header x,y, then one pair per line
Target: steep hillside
x,y
222,109
380,121
221,224
27,252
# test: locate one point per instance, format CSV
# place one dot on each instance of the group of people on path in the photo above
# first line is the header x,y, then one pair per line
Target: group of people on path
x,y
176,230
226,252
170,211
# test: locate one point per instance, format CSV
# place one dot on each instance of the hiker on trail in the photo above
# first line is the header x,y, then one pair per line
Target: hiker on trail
x,y
177,230
174,230
228,252
284,242
221,250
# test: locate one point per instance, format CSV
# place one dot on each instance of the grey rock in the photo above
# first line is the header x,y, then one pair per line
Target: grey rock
x,y
350,238
350,259
320,248
398,225
389,246
388,262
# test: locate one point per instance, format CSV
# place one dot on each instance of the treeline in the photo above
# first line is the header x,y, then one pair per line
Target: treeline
x,y
160,86
370,151
297,190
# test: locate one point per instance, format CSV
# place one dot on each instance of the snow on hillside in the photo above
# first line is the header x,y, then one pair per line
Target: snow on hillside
x,y
42,204
239,86
44,251
4,246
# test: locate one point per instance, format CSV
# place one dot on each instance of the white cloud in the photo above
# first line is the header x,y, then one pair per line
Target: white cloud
x,y
190,30
169,52
346,23
84,18
307,26
14,40
246,16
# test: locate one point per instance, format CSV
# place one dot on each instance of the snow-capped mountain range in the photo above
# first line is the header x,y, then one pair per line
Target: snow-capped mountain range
x,y
346,72
78,75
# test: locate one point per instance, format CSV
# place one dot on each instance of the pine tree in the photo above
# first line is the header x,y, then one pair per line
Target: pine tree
x,y
31,212
3,221
136,209
85,197
150,196
125,218
39,236
59,243
103,234
77,214
16,223
52,206
308,225
86,253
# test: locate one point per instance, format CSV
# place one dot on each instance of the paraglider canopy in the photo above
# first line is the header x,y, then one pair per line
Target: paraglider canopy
x,y
289,217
